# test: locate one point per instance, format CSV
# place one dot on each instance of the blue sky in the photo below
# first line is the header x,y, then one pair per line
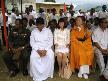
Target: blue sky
x,y
80,1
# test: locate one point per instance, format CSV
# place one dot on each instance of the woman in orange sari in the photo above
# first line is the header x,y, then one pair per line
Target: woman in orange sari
x,y
81,48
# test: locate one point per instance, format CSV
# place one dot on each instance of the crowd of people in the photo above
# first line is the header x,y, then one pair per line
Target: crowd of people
x,y
36,39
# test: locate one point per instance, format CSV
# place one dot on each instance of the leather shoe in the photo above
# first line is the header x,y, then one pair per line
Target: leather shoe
x,y
25,73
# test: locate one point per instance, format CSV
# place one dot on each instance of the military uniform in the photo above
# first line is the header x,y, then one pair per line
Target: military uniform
x,y
18,38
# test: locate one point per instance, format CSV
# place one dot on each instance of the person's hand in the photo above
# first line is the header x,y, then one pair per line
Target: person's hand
x,y
104,51
67,45
13,50
44,52
40,53
56,45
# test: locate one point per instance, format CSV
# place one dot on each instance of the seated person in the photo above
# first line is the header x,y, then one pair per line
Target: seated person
x,y
42,56
100,39
81,56
18,51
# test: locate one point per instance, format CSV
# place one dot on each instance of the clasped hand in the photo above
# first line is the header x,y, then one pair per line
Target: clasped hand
x,y
41,53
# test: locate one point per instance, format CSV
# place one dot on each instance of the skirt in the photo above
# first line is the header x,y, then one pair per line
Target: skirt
x,y
62,49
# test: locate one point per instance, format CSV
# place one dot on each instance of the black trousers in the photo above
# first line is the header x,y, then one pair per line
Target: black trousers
x,y
0,45
12,64
3,38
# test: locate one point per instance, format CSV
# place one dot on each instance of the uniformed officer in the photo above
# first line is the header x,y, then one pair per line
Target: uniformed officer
x,y
19,49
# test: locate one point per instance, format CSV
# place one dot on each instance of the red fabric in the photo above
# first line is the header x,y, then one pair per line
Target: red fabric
x,y
65,8
4,21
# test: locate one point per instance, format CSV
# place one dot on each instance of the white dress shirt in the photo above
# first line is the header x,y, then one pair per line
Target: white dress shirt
x,y
41,40
102,14
101,37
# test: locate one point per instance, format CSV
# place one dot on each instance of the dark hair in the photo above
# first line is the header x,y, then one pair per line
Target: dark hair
x,y
31,20
41,10
39,21
19,21
83,21
30,5
104,7
25,19
61,20
82,17
72,22
52,21
13,10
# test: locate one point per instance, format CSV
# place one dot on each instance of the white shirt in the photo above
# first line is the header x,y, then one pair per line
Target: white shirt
x,y
33,13
101,37
102,14
9,21
31,28
18,17
89,16
13,17
41,40
61,38
42,15
53,17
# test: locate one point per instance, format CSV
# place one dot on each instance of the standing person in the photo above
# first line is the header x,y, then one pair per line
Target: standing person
x,y
28,15
13,17
81,48
92,14
100,39
18,16
103,13
42,56
61,41
18,52
31,26
42,14
7,28
32,11
53,15
61,14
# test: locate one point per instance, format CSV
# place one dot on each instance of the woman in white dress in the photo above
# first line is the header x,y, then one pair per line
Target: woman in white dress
x,y
61,41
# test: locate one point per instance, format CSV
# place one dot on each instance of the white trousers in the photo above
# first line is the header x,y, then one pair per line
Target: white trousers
x,y
41,67
100,60
84,69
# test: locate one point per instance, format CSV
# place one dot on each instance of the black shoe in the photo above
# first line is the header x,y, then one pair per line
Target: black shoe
x,y
25,73
12,73
17,71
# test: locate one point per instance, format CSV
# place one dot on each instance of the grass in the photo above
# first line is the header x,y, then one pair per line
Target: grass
x,y
4,75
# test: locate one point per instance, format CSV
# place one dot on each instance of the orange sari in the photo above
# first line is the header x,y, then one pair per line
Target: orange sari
x,y
81,52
